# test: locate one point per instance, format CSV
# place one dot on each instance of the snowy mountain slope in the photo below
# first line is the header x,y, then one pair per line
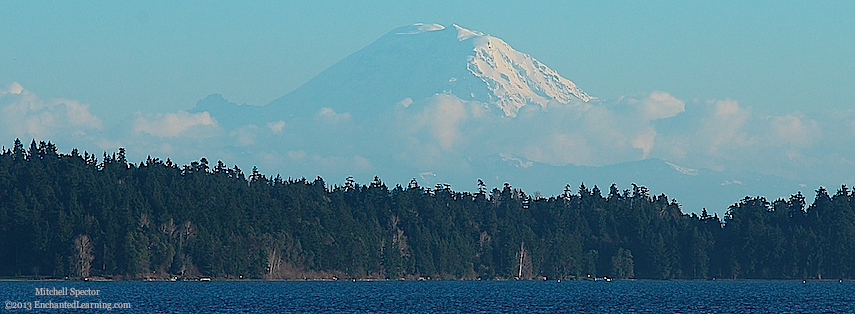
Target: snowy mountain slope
x,y
516,79
414,62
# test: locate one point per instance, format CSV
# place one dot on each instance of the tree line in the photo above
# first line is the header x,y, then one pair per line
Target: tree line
x,y
74,215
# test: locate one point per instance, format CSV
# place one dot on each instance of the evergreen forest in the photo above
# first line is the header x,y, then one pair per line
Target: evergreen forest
x,y
77,216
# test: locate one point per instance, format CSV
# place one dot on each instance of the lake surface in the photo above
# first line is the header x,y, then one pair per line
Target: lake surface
x,y
441,296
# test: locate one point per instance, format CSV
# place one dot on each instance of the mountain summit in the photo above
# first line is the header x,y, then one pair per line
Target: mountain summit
x,y
414,62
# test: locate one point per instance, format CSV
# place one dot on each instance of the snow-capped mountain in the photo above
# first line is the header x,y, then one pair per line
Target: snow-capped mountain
x,y
414,62
450,105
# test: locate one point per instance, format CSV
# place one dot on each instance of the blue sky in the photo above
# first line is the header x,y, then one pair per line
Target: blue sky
x,y
122,57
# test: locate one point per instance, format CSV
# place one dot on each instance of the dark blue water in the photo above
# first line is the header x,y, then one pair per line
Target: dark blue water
x,y
449,296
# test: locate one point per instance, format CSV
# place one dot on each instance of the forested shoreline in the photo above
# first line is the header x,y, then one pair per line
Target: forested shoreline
x,y
73,215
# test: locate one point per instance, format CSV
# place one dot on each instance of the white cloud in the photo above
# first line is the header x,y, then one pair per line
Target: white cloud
x,y
245,135
330,116
658,105
443,116
13,88
562,148
79,114
644,141
25,115
793,130
727,108
581,134
724,126
405,102
277,126
173,124
436,121
296,154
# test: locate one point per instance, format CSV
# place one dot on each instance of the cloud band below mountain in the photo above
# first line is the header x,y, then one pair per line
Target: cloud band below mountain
x,y
445,135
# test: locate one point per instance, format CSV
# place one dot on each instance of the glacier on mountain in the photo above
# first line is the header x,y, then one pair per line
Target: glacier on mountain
x,y
515,79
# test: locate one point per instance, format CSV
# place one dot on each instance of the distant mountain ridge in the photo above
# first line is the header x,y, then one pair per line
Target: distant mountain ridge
x,y
695,189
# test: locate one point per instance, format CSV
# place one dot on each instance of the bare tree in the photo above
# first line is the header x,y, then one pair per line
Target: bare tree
x,y
83,257
273,263
525,266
